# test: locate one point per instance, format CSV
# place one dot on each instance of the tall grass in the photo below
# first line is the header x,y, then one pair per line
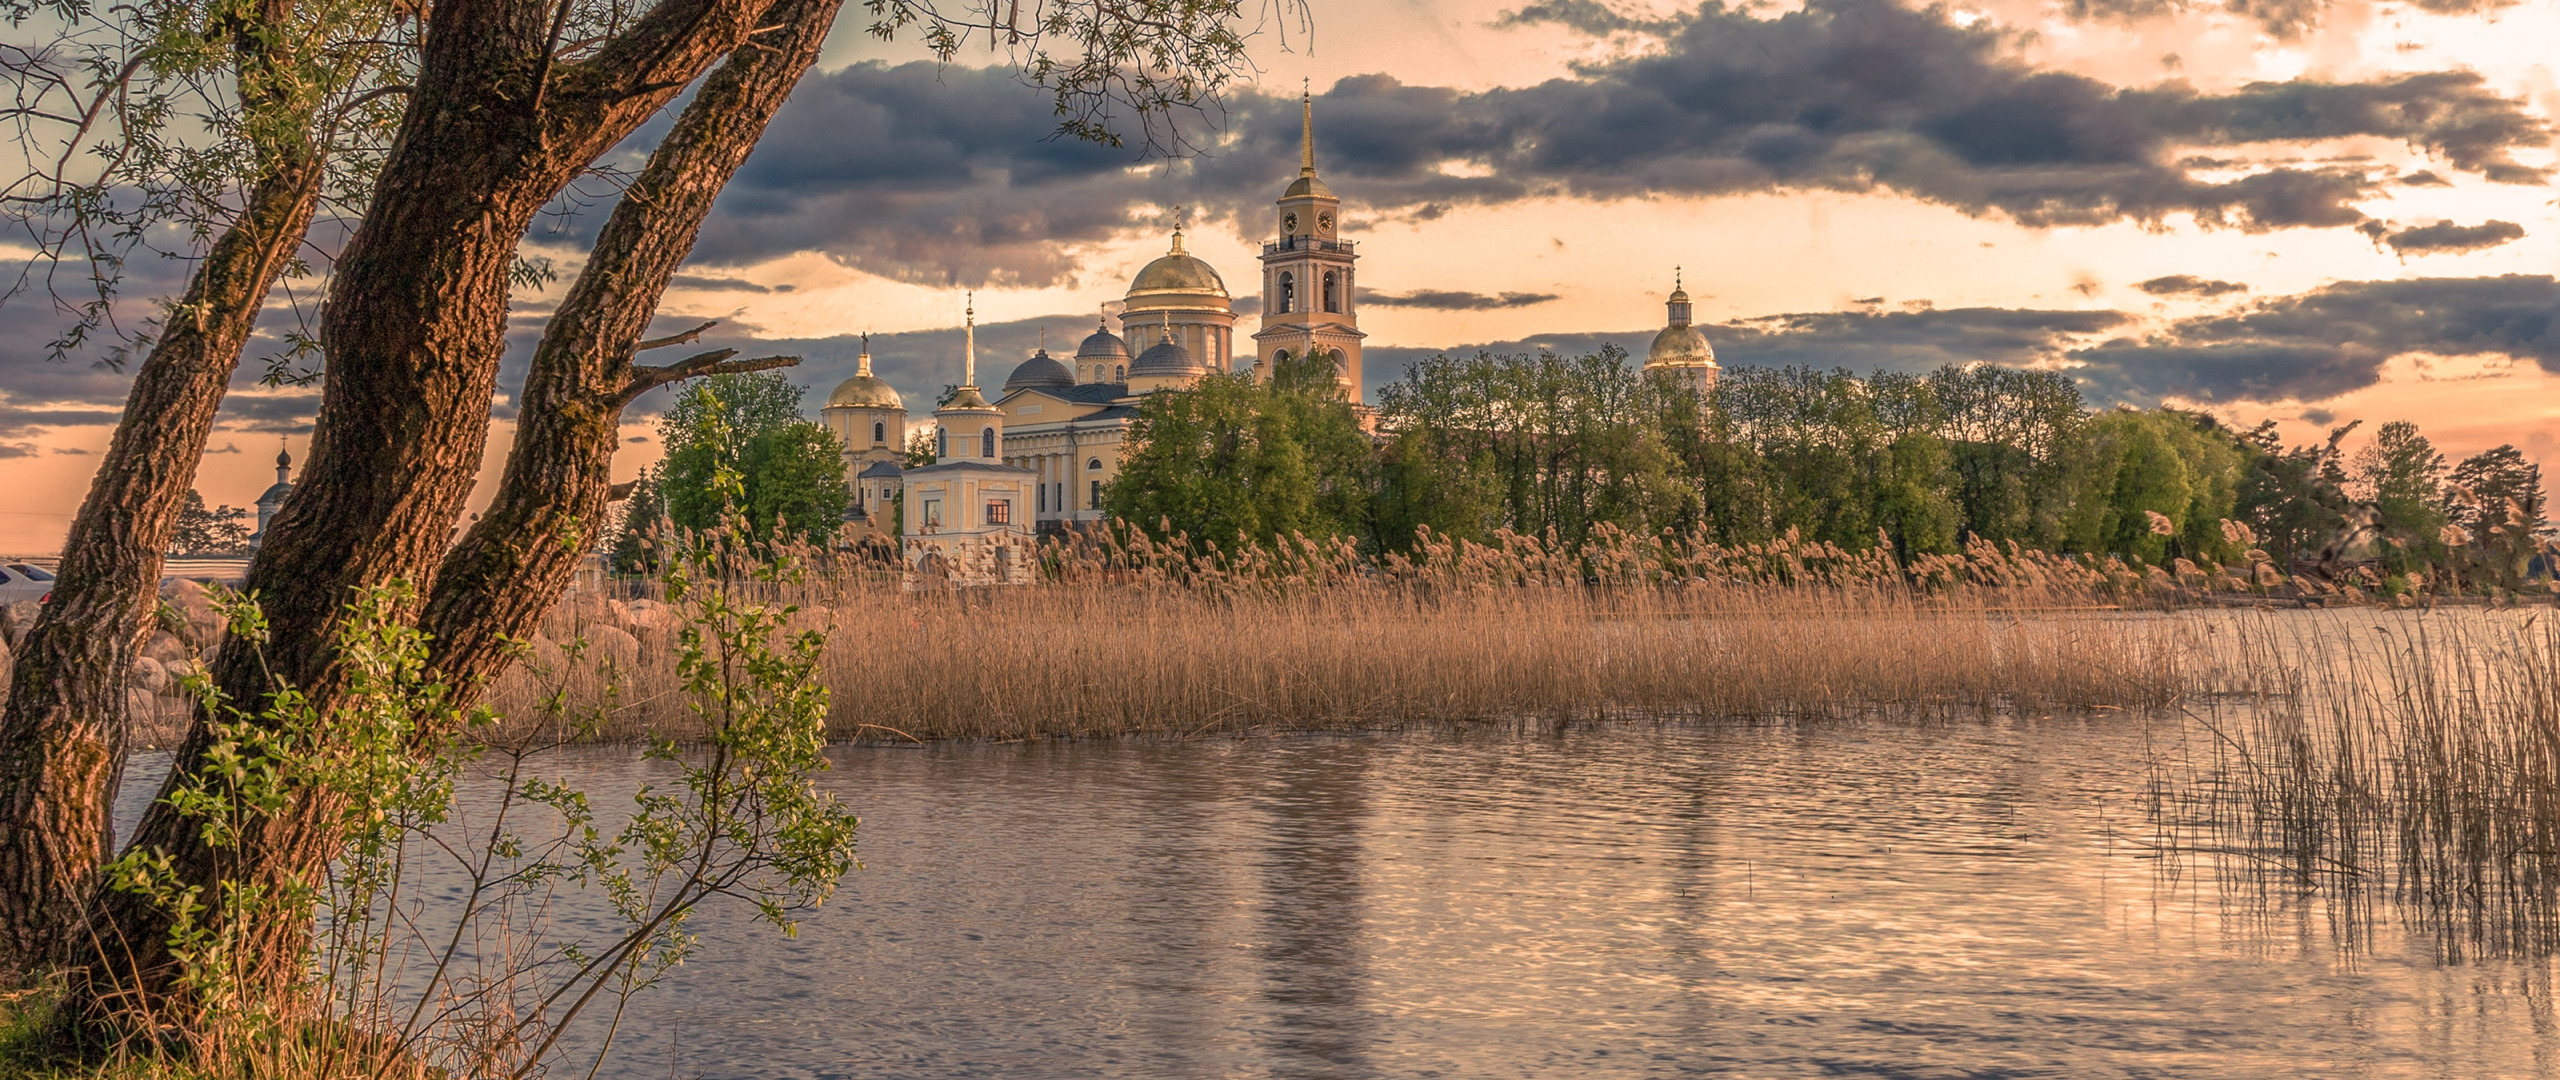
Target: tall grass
x,y
2387,757
1129,636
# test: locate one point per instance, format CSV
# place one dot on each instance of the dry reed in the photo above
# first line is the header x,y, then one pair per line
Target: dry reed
x,y
2406,757
1132,637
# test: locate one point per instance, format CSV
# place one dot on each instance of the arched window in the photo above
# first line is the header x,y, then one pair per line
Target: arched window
x,y
879,432
987,443
942,443
1120,373
1332,295
1288,292
1094,465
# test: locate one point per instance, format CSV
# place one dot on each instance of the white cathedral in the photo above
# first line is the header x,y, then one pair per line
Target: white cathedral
x,y
1036,458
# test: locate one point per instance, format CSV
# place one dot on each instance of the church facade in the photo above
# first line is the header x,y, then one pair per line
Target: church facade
x,y
1036,457
1063,423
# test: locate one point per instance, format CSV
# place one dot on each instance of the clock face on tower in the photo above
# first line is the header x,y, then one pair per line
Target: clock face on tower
x,y
1324,221
1289,223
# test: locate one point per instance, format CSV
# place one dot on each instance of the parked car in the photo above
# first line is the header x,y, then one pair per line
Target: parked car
x,y
24,581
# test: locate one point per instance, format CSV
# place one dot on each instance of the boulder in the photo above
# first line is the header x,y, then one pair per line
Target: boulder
x,y
141,706
547,661
166,648
179,671
578,612
194,604
149,677
651,614
655,643
615,644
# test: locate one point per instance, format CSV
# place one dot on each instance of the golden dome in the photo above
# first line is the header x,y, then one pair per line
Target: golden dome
x,y
865,392
1307,185
1177,271
1680,346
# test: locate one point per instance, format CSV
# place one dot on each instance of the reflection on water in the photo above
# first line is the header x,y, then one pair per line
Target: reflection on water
x,y
1954,900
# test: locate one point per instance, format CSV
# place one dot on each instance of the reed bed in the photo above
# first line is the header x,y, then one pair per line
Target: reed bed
x,y
2408,758
1130,637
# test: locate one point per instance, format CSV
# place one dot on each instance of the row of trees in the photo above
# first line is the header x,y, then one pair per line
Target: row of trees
x,y
1565,445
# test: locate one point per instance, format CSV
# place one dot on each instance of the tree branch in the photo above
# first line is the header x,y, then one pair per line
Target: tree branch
x,y
715,362
688,336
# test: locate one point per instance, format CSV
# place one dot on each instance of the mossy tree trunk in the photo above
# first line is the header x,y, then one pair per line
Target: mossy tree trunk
x,y
413,331
62,739
549,508
62,736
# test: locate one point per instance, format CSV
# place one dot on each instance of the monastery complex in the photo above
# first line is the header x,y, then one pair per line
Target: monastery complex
x,y
1034,457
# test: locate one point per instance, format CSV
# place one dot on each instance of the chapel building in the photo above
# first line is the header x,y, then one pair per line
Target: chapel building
x,y
870,420
964,515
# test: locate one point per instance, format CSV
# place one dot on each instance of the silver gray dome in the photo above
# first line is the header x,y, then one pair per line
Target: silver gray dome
x,y
1041,371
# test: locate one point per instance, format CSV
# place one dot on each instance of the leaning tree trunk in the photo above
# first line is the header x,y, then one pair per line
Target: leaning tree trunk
x,y
62,739
413,331
512,565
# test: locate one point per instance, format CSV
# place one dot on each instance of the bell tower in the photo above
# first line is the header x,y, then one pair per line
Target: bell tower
x,y
1308,302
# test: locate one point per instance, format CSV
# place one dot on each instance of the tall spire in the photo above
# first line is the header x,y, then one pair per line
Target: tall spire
x,y
862,367
969,346
1306,130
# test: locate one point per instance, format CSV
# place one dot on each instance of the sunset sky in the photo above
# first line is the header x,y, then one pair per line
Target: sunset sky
x,y
2287,209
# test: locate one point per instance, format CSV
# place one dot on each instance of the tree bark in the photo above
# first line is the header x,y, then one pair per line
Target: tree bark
x,y
62,738
511,567
413,330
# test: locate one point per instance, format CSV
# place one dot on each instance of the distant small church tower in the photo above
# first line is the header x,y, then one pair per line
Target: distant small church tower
x,y
273,499
1680,349
969,515
1308,304
870,419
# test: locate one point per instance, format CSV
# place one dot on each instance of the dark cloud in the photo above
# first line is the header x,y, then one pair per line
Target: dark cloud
x,y
2189,285
1585,16
2283,19
1861,341
726,284
2445,236
2331,340
1452,300
950,175
1910,340
2309,346
2425,178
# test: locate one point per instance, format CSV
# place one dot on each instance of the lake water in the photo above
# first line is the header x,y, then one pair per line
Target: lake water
x,y
1964,899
